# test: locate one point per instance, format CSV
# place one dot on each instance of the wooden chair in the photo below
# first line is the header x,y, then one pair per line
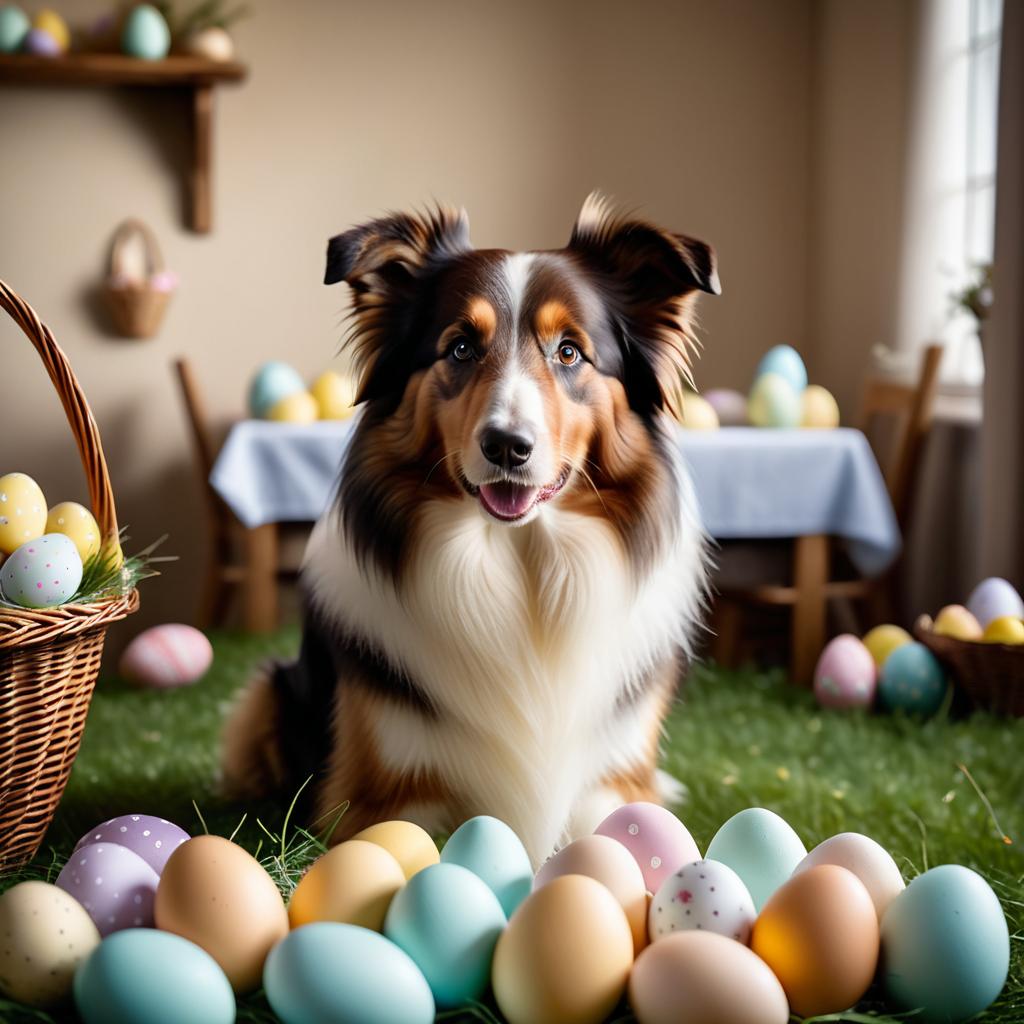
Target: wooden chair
x,y
814,560
224,572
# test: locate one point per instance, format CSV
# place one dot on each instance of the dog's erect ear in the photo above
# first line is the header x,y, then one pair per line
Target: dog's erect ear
x,y
650,278
384,261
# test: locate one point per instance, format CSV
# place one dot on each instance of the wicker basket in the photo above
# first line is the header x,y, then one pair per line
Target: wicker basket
x,y
50,657
990,675
137,307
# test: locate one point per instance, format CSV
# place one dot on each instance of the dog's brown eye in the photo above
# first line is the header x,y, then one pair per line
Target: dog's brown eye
x,y
462,350
568,354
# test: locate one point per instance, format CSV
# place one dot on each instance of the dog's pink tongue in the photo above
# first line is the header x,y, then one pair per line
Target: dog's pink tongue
x,y
507,500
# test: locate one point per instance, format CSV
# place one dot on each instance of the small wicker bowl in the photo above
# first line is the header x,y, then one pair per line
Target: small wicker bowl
x,y
137,307
991,675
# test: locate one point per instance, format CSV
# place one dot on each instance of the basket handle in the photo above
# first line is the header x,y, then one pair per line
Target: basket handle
x,y
123,234
76,408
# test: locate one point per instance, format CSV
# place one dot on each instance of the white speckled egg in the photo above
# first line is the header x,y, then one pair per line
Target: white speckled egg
x,y
44,936
42,573
703,896
77,522
22,511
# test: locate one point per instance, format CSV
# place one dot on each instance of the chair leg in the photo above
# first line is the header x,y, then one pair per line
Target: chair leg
x,y
810,574
726,621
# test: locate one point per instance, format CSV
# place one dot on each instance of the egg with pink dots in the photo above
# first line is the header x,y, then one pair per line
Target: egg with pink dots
x,y
703,896
42,573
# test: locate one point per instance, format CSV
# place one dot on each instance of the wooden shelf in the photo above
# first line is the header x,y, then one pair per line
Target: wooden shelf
x,y
194,74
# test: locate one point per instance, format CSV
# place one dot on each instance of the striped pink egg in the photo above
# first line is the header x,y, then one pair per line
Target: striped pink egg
x,y
166,656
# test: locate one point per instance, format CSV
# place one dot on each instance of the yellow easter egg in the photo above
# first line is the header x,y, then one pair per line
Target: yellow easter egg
x,y
298,408
883,640
335,395
410,845
75,521
22,511
53,24
819,409
956,621
1007,629
699,413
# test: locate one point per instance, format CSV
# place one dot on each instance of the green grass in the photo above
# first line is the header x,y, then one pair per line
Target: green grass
x,y
737,739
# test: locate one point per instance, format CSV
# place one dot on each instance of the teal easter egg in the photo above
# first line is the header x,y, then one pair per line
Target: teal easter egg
x,y
786,362
145,976
347,975
271,383
448,921
14,26
761,848
774,402
42,573
145,34
912,680
493,852
945,945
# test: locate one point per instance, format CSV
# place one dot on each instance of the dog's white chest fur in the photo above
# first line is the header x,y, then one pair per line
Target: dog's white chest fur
x,y
529,642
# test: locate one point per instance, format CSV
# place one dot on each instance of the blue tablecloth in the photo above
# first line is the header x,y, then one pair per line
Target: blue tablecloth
x,y
751,483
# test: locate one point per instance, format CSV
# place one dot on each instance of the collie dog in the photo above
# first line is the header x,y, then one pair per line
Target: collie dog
x,y
499,601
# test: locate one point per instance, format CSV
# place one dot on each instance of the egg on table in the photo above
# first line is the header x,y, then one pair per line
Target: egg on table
x,y
957,622
335,395
145,33
298,408
153,839
992,598
819,409
492,851
1006,629
161,657
730,405
42,573
272,382
409,844
22,511
845,676
703,896
883,640
785,361
14,26
76,522
912,680
698,413
773,402
44,935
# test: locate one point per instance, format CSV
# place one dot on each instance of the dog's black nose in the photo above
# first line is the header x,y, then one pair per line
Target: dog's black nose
x,y
506,449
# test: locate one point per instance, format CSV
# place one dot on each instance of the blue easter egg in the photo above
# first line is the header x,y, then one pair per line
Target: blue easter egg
x,y
145,34
347,975
272,382
14,27
145,976
786,362
42,573
945,945
448,921
912,680
493,852
992,599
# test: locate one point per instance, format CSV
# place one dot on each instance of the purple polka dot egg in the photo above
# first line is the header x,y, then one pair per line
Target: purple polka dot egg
x,y
659,842
151,838
703,896
42,573
115,886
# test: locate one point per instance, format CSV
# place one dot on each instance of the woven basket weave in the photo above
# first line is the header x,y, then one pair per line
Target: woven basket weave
x,y
50,657
136,307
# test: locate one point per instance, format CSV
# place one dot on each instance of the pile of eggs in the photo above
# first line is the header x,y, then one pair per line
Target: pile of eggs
x,y
43,551
994,615
278,392
45,35
146,924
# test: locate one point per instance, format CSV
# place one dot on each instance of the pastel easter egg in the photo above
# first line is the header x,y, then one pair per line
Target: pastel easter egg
x,y
819,935
957,622
883,640
44,935
145,33
610,863
165,656
22,511
700,977
347,975
212,43
819,409
163,281
448,921
144,976
1005,629
702,896
761,848
945,945
659,842
40,43
774,403
912,680
845,676
730,405
869,861
14,26
409,844
698,413
272,382
298,408
989,600
492,851
116,887
50,22
785,362
77,522
335,395
42,573
152,839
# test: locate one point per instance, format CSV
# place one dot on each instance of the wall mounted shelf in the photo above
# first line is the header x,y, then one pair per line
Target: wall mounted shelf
x,y
192,74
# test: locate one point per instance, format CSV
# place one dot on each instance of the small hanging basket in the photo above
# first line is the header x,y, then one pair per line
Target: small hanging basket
x,y
137,305
50,657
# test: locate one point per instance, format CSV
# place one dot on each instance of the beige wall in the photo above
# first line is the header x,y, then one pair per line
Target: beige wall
x,y
699,113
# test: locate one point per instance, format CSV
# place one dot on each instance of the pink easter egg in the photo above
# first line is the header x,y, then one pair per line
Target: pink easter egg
x,y
659,842
166,656
116,887
846,675
164,281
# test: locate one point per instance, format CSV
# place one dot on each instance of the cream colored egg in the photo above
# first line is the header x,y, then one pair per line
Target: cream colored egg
x,y
610,863
77,522
44,935
353,884
212,43
335,395
869,861
699,413
819,410
298,408
22,511
409,844
956,621
565,956
217,895
704,978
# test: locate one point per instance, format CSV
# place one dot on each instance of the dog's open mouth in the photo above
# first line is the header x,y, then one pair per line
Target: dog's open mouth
x,y
508,501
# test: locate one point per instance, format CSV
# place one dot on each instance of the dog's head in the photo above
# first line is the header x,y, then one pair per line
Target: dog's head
x,y
518,364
